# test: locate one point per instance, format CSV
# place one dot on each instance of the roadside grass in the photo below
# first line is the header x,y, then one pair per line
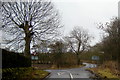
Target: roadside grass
x,y
28,73
39,74
104,73
106,70
34,74
66,67
0,70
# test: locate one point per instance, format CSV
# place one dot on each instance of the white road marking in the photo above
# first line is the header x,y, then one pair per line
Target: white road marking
x,y
58,73
71,76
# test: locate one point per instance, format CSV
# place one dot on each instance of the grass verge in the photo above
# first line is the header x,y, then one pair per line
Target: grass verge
x,y
66,67
27,73
103,73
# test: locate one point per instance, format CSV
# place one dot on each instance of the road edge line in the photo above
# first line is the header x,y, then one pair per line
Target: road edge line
x,y
46,76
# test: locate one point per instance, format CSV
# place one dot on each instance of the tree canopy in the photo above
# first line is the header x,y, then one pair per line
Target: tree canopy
x,y
25,23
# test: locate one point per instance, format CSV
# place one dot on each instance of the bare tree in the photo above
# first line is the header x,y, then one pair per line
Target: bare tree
x,y
58,50
58,46
78,41
25,23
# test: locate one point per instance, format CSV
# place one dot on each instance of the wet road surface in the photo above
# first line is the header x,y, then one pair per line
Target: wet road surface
x,y
71,74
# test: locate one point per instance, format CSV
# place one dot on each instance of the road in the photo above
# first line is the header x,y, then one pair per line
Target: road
x,y
71,74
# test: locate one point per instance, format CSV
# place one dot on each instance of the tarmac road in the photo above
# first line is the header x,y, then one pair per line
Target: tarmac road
x,y
71,74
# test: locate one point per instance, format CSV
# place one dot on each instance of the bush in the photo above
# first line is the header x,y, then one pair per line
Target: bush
x,y
58,59
65,59
13,60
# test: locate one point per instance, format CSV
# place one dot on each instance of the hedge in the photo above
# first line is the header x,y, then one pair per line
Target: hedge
x,y
14,73
13,60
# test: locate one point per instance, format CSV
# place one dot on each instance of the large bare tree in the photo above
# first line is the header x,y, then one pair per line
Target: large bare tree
x,y
26,23
78,41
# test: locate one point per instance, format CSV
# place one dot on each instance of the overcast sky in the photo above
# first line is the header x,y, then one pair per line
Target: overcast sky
x,y
86,14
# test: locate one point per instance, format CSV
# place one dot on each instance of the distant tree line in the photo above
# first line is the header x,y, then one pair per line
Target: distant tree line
x,y
67,51
110,44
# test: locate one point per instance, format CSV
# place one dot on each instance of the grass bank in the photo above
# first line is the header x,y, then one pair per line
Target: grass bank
x,y
106,71
28,73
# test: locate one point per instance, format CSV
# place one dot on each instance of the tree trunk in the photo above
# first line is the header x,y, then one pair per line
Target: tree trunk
x,y
27,46
78,59
78,63
79,44
78,53
27,40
